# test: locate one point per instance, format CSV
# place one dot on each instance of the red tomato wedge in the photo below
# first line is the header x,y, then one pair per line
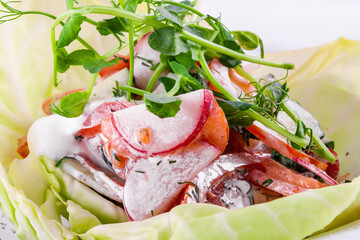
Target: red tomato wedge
x,y
167,134
55,98
280,172
266,180
216,128
122,63
241,82
92,124
277,142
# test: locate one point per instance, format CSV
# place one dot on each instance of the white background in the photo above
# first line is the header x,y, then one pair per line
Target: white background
x,y
289,24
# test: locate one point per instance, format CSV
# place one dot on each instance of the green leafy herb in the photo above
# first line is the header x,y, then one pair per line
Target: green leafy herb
x,y
79,56
61,162
168,41
169,15
267,182
70,31
110,26
162,106
61,64
95,65
71,105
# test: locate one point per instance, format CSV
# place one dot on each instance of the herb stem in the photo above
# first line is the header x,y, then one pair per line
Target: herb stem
x,y
92,83
115,12
231,53
293,115
327,154
190,9
253,114
134,90
160,68
211,78
131,58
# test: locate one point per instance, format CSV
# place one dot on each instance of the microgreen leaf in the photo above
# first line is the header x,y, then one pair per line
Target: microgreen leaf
x,y
186,59
61,56
162,105
300,131
79,56
229,61
109,26
70,4
234,111
199,31
71,105
247,40
168,83
131,5
95,65
233,106
70,31
178,9
169,15
168,41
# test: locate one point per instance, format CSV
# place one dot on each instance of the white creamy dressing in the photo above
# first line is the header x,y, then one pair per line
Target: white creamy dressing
x,y
53,136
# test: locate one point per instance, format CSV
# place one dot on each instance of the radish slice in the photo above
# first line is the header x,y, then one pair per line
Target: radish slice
x,y
221,74
316,170
155,183
168,134
278,142
145,58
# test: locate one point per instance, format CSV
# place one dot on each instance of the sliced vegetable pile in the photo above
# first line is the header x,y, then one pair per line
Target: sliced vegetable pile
x,y
186,85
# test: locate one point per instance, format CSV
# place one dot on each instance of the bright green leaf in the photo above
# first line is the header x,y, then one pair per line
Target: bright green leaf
x,y
70,31
162,106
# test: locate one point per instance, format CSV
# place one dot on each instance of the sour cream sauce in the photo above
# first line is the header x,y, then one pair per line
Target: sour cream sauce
x,y
53,136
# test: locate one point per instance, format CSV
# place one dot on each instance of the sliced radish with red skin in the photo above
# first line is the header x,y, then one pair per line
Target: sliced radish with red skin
x,y
145,58
316,170
278,142
154,184
221,74
167,134
265,180
92,124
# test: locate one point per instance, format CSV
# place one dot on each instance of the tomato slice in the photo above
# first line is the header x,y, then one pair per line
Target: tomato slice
x,y
92,124
278,171
216,128
269,182
122,63
55,98
276,142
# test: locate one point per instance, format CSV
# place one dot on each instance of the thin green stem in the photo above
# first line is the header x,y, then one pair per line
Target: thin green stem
x,y
160,68
234,54
253,114
211,78
134,90
131,56
190,9
92,83
291,113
